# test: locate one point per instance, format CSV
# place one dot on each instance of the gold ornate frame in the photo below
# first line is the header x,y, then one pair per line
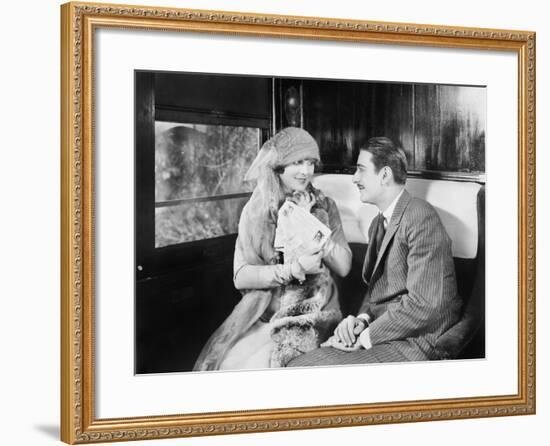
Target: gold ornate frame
x,y
78,423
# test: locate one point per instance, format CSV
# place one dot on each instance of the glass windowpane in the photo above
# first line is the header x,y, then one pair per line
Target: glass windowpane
x,y
197,221
196,160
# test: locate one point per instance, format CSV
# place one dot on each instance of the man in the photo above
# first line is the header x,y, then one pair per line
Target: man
x,y
411,296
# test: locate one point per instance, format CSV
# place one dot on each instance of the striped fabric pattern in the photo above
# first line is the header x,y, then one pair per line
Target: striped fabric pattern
x,y
332,356
412,292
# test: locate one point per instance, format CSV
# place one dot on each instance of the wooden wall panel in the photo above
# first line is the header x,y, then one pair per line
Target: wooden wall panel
x,y
449,128
392,114
342,115
216,94
332,117
440,127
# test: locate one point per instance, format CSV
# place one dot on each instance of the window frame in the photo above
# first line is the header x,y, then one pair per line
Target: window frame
x,y
151,261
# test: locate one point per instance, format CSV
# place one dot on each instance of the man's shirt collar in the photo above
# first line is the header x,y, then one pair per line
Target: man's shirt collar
x,y
389,210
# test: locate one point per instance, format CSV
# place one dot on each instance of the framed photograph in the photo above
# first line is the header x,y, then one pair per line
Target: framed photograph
x,y
277,223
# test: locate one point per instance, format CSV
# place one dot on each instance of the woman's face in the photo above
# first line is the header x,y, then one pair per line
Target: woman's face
x,y
297,176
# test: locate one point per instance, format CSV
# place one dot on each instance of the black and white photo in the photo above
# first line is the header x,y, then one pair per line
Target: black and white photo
x,y
299,222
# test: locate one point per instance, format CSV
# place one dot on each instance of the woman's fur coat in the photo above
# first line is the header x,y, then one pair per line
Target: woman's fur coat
x,y
301,324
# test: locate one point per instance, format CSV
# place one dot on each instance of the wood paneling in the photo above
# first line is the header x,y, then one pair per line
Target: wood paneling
x,y
144,181
332,117
449,128
440,127
217,94
342,115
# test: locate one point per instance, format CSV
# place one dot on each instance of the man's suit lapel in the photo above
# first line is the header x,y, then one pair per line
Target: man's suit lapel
x,y
398,212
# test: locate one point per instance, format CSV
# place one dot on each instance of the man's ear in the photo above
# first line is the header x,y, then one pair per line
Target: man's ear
x,y
387,174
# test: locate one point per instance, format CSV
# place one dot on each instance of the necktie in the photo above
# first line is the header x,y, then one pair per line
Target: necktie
x,y
376,240
380,232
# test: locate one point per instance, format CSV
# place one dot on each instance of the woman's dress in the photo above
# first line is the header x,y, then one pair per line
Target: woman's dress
x,y
244,341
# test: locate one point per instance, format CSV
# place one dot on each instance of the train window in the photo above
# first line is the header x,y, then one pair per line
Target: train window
x,y
199,187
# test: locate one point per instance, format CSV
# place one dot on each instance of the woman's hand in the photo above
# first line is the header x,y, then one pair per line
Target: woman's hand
x,y
304,199
323,249
307,264
328,247
311,263
314,247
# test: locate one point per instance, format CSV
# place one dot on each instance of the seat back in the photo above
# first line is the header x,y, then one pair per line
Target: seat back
x,y
454,201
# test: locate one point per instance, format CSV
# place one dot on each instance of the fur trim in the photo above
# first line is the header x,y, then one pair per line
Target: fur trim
x,y
301,325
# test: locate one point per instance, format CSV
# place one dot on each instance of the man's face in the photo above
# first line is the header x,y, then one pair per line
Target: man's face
x,y
367,180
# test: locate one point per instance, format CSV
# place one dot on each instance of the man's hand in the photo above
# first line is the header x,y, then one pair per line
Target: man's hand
x,y
334,343
348,330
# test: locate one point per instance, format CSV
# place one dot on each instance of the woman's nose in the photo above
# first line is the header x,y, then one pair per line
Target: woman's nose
x,y
306,168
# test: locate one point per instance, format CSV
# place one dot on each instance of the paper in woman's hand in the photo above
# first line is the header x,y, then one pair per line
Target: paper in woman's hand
x,y
298,232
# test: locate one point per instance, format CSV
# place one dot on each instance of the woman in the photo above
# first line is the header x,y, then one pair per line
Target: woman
x,y
283,170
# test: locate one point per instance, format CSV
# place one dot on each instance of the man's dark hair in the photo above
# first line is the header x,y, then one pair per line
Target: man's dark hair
x,y
385,153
